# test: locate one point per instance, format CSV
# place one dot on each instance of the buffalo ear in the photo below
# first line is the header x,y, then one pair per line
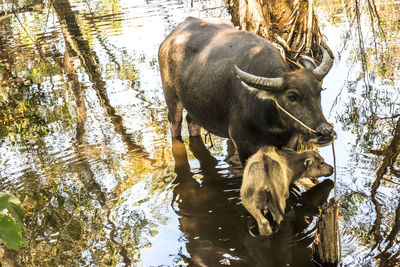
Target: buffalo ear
x,y
307,62
308,162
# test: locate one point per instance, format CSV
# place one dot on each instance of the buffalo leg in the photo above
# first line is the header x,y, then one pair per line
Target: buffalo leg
x,y
245,150
243,153
194,128
175,119
175,110
293,142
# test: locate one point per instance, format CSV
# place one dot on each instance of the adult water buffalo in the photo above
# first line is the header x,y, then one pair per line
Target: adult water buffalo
x,y
230,82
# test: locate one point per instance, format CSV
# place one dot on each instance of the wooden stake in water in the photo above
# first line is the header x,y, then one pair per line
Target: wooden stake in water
x,y
336,203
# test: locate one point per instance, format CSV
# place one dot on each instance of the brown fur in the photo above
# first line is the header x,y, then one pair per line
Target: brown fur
x,y
267,177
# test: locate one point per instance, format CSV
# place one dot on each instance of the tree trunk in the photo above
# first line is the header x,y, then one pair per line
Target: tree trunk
x,y
325,247
290,24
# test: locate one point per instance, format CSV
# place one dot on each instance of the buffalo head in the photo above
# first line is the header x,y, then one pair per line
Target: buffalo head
x,y
299,93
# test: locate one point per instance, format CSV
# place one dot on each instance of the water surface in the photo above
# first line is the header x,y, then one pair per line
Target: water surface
x,y
84,142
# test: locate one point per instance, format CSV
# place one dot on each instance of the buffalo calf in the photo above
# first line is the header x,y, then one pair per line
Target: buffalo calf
x,y
267,177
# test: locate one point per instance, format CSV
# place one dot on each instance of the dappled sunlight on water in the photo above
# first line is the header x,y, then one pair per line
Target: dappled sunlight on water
x,y
85,144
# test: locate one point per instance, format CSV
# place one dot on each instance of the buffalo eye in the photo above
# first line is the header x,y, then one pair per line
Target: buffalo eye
x,y
292,97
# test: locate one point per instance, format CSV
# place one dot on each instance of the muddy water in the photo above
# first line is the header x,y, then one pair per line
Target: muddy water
x,y
84,142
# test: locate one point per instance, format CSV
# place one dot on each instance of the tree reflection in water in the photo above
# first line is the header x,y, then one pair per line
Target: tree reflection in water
x,y
84,141
387,172
369,109
55,213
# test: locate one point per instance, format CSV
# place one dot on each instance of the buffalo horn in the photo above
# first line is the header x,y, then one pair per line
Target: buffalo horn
x,y
325,65
259,82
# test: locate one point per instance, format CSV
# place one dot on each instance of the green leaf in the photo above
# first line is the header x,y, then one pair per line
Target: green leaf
x,y
10,233
17,213
12,203
7,199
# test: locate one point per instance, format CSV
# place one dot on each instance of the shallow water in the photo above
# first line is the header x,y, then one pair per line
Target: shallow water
x,y
85,145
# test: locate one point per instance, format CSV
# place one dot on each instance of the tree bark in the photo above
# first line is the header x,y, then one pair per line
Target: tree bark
x,y
290,24
325,247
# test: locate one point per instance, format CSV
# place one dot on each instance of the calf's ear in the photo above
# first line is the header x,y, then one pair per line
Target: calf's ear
x,y
308,162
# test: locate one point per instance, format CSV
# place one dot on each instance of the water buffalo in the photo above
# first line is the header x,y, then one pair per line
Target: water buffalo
x,y
229,82
267,177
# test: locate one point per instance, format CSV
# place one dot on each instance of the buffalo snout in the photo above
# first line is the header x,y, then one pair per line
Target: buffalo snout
x,y
330,170
325,129
324,135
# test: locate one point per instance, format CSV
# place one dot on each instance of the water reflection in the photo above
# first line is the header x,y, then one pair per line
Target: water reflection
x,y
219,231
208,216
84,142
87,176
387,171
77,45
366,105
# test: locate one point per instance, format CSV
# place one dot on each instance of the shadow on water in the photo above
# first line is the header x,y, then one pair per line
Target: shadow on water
x,y
219,231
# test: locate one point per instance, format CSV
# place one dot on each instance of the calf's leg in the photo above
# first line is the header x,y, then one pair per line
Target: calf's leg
x,y
263,225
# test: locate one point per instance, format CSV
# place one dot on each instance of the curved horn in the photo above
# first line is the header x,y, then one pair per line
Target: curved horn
x,y
259,82
325,65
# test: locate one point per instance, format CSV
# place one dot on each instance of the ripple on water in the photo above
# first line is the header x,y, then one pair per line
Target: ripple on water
x,y
106,167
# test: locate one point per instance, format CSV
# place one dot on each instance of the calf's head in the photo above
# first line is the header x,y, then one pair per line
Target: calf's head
x,y
299,93
315,165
